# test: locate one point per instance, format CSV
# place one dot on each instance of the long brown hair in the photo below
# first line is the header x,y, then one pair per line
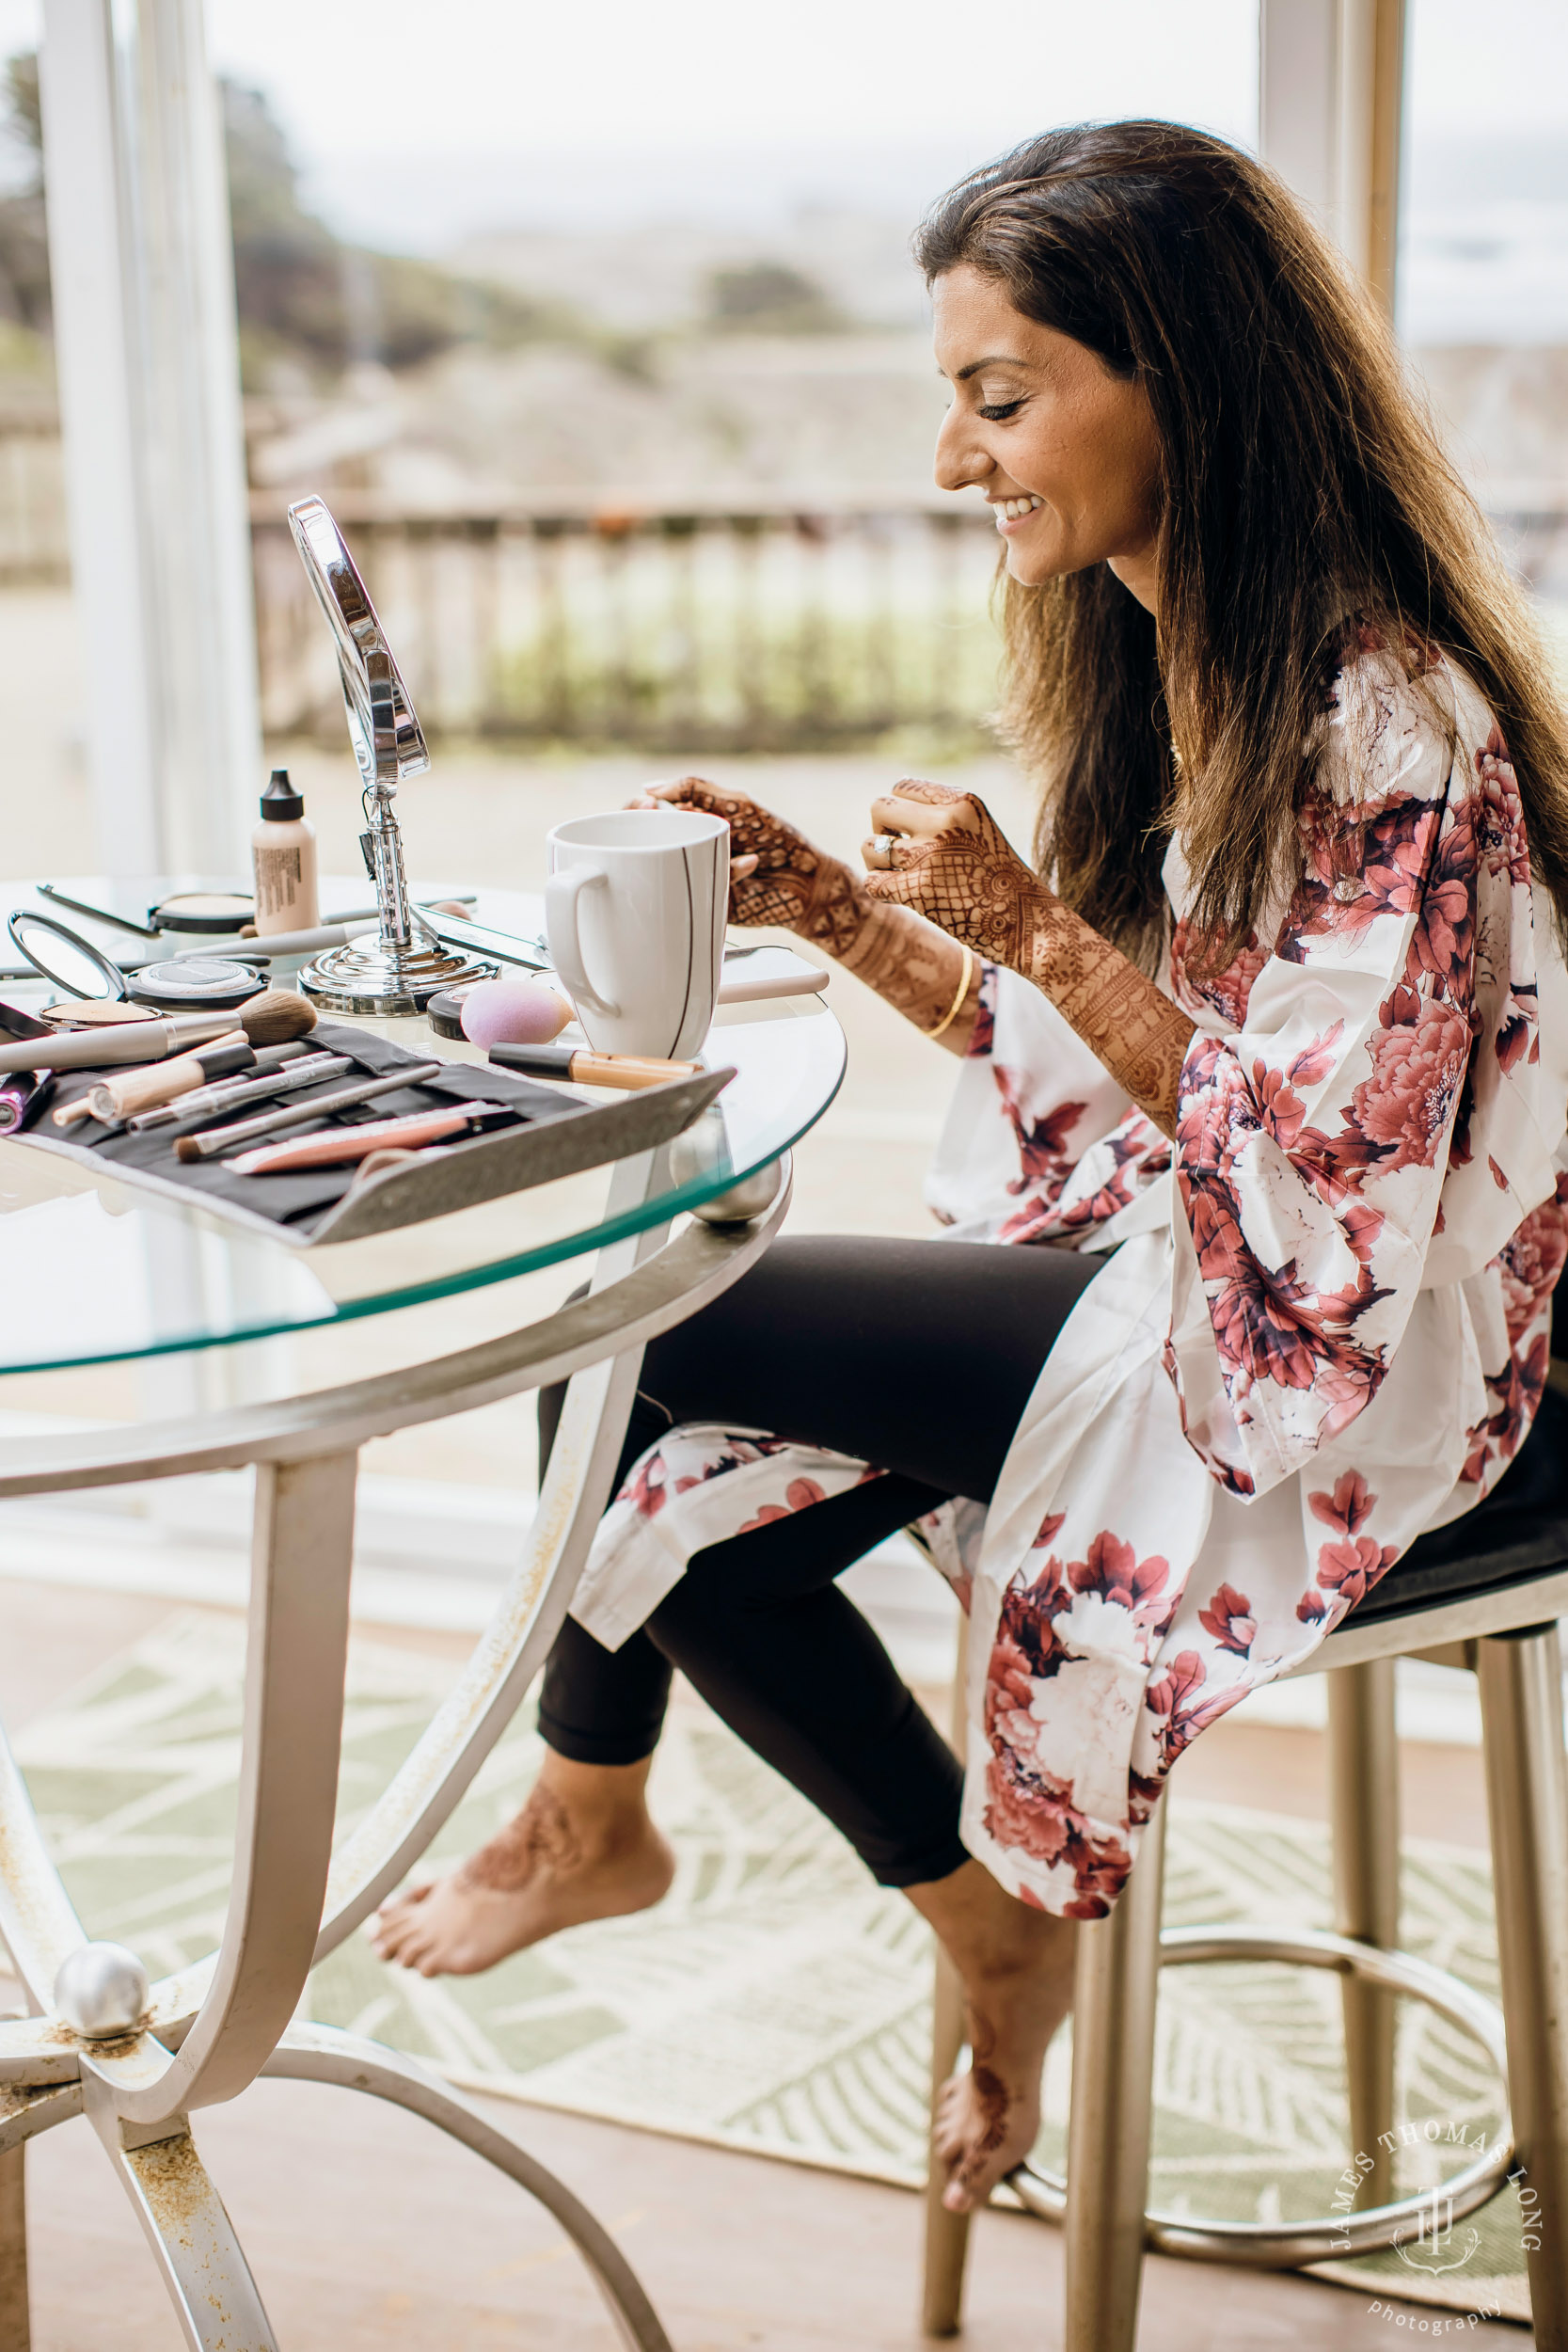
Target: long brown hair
x,y
1302,484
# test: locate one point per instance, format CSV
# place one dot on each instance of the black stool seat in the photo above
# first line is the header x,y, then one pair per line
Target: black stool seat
x,y
1518,1532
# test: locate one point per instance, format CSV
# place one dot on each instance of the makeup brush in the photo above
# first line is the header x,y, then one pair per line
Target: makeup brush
x,y
273,1018
268,1124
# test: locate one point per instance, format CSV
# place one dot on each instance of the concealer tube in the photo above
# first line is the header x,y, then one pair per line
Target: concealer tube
x,y
626,1071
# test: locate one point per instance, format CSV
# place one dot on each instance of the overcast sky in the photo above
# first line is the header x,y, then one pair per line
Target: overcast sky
x,y
416,121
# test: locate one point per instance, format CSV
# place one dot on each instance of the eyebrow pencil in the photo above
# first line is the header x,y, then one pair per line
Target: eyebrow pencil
x,y
269,1122
211,1101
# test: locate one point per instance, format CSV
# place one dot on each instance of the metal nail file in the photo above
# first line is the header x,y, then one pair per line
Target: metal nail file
x,y
269,1122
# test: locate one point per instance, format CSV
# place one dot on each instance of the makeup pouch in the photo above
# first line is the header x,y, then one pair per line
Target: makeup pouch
x,y
555,1134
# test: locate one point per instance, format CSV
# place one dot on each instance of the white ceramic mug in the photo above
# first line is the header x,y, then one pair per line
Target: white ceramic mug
x,y
635,909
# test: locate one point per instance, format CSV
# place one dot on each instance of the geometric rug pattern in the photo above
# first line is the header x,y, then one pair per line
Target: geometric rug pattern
x,y
777,2001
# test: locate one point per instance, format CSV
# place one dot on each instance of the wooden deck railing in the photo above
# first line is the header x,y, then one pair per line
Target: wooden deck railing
x,y
785,626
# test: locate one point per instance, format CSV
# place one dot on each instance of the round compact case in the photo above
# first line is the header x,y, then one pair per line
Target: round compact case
x,y
104,989
194,982
219,913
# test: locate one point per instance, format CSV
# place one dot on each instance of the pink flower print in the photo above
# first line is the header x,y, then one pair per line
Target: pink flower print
x,y
1043,1154
1050,1527
1445,938
1531,1264
1500,820
799,1496
1348,1508
1351,1569
1517,1039
1384,855
646,1487
982,1038
1229,1619
1227,992
1114,1571
1177,1698
1417,1068
1019,1812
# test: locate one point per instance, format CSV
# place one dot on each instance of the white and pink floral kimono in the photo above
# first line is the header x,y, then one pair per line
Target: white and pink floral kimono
x,y
1324,1328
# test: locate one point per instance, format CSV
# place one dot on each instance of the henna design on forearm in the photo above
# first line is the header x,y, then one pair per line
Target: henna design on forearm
x,y
917,969
958,868
1138,1033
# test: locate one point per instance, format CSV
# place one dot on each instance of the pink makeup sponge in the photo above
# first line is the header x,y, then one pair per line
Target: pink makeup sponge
x,y
513,1013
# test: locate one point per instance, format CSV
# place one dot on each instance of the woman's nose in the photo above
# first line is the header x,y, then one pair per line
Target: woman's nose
x,y
959,461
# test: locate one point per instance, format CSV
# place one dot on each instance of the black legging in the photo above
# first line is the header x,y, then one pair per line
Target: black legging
x,y
917,1355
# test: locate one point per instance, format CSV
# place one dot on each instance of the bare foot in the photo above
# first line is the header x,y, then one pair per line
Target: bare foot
x,y
1017,1966
582,1848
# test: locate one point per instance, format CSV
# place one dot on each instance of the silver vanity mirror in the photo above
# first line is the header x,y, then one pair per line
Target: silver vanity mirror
x,y
404,966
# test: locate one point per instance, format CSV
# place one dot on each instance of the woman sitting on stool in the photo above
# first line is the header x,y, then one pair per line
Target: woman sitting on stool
x,y
1264,1081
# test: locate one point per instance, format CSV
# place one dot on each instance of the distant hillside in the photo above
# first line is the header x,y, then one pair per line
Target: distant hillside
x,y
310,306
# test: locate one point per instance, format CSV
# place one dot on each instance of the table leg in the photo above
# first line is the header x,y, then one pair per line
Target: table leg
x,y
15,2324
434,1778
193,2241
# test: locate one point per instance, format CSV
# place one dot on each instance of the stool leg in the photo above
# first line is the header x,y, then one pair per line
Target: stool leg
x,y
946,2233
1112,2084
1364,1803
1526,1801
15,2324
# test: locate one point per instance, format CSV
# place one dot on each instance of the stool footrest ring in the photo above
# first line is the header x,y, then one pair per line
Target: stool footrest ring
x,y
1286,2245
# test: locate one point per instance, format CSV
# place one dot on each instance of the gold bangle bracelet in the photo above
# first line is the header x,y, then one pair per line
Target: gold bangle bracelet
x,y
956,1006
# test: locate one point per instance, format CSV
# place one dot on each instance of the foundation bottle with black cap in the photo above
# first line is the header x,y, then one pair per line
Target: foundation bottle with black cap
x,y
284,852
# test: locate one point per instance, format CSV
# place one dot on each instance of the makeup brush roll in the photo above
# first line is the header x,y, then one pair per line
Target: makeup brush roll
x,y
554,1135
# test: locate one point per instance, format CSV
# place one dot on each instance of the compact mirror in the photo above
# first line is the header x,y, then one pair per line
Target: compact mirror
x,y
63,956
400,970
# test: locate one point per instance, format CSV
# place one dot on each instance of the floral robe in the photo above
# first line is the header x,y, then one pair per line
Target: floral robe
x,y
1324,1328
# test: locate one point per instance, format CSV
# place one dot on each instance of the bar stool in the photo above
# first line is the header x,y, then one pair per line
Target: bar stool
x,y
1483,1594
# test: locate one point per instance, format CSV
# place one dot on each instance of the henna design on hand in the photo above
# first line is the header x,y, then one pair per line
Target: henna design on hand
x,y
800,888
794,886
956,866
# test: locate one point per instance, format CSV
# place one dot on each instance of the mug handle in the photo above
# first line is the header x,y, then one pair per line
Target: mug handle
x,y
561,893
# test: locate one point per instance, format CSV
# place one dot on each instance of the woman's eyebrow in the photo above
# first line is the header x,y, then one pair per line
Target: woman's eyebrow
x,y
992,359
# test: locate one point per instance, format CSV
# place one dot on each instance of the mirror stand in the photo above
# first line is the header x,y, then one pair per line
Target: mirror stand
x,y
404,965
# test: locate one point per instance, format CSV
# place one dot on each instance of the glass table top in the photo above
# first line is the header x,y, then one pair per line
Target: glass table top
x,y
93,1270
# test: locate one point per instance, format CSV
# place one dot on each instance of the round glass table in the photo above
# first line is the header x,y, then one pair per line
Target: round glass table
x,y
95,1272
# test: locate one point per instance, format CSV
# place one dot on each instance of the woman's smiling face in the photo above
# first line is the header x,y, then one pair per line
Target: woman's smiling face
x,y
1066,452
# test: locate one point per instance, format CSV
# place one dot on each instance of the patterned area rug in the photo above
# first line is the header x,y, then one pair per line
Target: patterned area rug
x,y
778,2002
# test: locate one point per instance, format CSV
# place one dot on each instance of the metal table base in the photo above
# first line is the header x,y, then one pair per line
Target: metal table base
x,y
211,2029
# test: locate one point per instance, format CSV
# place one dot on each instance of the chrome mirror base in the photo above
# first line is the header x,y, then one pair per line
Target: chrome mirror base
x,y
377,977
